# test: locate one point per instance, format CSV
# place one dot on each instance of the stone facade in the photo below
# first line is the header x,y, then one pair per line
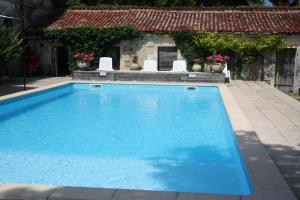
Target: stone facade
x,y
145,47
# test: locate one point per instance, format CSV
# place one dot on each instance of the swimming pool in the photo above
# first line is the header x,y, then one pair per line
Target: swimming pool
x,y
148,137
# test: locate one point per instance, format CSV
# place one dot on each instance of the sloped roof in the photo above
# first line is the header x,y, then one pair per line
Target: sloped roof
x,y
257,20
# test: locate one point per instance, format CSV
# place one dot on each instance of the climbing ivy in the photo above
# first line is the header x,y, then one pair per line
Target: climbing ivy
x,y
240,47
90,40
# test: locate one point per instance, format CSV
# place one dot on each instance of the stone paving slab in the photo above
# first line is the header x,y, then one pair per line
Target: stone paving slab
x,y
75,193
25,192
275,118
143,195
193,196
32,83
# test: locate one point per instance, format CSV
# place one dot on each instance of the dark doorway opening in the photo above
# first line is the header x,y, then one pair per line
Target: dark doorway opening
x,y
114,53
166,56
285,68
59,61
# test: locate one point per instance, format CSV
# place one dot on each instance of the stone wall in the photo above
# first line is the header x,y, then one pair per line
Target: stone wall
x,y
296,87
199,77
145,47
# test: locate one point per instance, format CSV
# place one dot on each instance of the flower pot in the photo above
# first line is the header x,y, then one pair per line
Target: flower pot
x,y
207,68
83,65
217,67
196,67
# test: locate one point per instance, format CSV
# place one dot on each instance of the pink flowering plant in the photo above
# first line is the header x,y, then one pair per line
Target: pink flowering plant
x,y
80,56
217,59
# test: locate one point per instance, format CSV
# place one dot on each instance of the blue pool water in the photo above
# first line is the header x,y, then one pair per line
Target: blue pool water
x,y
165,138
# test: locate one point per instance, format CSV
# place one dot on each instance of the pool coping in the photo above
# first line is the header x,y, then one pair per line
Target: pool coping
x,y
269,183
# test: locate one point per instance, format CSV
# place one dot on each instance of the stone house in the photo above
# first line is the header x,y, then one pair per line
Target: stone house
x,y
282,69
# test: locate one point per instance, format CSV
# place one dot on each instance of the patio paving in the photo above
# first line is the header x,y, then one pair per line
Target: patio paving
x,y
32,82
275,117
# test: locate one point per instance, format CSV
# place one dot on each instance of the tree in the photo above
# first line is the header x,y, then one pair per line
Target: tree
x,y
222,2
10,45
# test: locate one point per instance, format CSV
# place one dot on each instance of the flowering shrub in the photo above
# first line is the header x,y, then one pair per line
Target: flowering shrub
x,y
79,56
217,59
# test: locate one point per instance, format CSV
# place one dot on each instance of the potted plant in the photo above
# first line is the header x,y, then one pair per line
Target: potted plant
x,y
196,65
83,60
217,62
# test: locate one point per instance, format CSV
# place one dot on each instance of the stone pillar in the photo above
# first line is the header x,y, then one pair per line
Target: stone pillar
x,y
296,87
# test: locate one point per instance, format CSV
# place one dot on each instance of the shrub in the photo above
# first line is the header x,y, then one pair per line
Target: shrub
x,y
10,45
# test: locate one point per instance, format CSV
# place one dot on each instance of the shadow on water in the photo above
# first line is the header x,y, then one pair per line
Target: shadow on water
x,y
203,167
219,174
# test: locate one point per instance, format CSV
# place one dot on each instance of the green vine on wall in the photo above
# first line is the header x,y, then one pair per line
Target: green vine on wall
x,y
91,40
243,49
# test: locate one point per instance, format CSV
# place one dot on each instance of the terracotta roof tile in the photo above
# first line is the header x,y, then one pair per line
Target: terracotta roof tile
x,y
266,20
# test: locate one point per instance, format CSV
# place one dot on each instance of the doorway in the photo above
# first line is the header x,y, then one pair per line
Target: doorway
x,y
166,56
285,67
59,61
114,53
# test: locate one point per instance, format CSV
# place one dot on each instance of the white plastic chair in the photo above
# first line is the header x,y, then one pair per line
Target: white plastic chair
x,y
226,71
105,64
179,66
150,66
